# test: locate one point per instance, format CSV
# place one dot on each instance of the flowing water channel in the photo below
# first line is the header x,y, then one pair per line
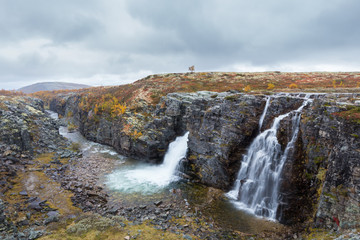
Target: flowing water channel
x,y
134,183
256,188
147,179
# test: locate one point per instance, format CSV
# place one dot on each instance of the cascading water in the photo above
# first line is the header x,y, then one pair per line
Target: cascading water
x,y
264,113
257,186
150,179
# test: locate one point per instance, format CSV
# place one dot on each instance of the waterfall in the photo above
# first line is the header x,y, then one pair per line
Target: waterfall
x,y
264,113
151,178
256,188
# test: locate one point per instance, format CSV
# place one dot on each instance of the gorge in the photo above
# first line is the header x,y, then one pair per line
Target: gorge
x,y
291,157
221,128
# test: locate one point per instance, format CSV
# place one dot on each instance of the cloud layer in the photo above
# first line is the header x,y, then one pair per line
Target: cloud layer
x,y
119,41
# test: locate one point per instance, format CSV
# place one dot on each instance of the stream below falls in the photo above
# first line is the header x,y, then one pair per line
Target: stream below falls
x,y
131,183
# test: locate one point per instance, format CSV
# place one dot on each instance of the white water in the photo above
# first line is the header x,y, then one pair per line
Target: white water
x,y
131,178
150,178
256,189
264,113
87,147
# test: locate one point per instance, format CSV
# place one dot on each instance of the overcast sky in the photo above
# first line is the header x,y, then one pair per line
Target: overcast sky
x,y
111,42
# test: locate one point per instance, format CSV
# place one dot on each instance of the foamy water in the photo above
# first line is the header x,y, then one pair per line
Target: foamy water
x,y
147,178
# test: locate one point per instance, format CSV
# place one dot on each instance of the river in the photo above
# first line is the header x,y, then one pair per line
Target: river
x,y
134,183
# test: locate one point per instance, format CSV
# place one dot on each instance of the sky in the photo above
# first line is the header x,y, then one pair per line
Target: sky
x,y
113,42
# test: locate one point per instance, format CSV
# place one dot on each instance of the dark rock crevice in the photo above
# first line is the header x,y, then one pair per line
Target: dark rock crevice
x,y
321,177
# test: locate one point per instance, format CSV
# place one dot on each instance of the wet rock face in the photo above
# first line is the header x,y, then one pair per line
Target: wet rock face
x,y
221,130
335,151
322,178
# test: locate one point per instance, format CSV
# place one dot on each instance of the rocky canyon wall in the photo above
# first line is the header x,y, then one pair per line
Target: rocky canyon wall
x,y
322,173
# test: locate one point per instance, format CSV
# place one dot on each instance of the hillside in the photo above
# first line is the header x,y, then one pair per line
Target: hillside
x,y
150,89
50,86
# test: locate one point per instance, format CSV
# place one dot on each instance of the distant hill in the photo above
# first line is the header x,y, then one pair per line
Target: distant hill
x,y
49,86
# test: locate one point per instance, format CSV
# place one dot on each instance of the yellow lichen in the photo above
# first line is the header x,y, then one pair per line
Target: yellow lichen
x,y
34,111
37,184
94,227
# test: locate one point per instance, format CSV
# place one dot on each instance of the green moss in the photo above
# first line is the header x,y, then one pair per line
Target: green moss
x,y
308,176
333,197
354,135
192,157
342,191
321,174
72,127
318,234
96,227
75,147
70,114
231,98
319,160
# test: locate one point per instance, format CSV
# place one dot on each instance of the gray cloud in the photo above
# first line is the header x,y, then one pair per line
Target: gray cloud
x,y
61,22
44,40
247,29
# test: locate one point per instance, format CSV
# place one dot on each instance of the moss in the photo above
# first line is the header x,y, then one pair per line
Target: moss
x,y
70,114
355,135
75,147
192,157
321,174
318,234
333,197
231,98
34,111
72,127
342,191
308,176
38,184
319,160
95,227
45,158
352,113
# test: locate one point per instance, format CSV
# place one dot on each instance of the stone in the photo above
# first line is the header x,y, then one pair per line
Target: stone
x,y
23,193
187,237
35,234
53,216
222,125
35,205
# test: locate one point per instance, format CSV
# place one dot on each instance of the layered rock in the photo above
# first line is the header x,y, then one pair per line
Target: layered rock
x,y
25,127
25,131
321,177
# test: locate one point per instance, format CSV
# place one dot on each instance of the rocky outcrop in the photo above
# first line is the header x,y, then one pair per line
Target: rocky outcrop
x,y
26,130
25,127
222,130
321,177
